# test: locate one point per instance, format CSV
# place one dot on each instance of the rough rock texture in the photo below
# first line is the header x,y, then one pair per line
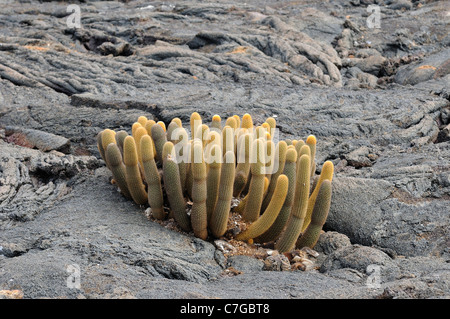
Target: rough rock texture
x,y
377,100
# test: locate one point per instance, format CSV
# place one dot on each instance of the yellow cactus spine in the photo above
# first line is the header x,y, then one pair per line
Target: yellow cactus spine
x,y
219,217
318,217
199,193
263,223
134,127
216,123
231,122
134,180
195,122
311,141
154,190
114,158
256,187
326,174
272,122
178,121
295,222
162,124
247,121
108,136
142,120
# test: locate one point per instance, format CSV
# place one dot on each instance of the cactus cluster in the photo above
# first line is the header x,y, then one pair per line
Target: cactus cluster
x,y
193,175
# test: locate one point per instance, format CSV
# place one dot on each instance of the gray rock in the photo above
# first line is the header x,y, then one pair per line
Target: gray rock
x,y
363,259
401,5
371,64
386,218
37,139
245,264
330,241
359,157
434,66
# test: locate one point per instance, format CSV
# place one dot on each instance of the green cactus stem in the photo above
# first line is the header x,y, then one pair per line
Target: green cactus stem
x,y
243,163
256,187
227,139
290,170
159,138
231,122
172,186
134,180
219,218
263,223
296,219
304,150
154,190
168,149
173,127
260,132
100,148
199,219
148,126
182,153
162,124
214,162
270,151
189,174
214,138
114,158
238,120
298,146
202,133
280,159
326,174
318,217
120,137
241,206
138,134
